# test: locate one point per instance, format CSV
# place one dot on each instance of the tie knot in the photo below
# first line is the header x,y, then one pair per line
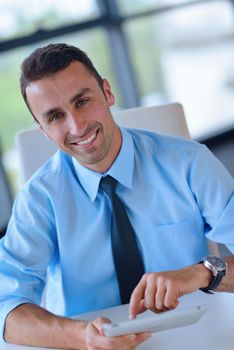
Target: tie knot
x,y
108,184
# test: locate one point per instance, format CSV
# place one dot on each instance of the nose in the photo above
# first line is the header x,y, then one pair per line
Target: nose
x,y
76,124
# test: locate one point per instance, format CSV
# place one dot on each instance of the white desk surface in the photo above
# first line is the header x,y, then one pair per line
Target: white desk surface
x,y
214,331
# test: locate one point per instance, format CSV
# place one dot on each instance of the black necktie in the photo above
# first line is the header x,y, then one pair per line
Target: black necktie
x,y
127,260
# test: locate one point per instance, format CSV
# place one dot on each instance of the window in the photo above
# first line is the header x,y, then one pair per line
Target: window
x,y
187,56
134,6
27,16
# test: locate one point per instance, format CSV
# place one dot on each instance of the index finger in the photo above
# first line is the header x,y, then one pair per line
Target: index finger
x,y
136,297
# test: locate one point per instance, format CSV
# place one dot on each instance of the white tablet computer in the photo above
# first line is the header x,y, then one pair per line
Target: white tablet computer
x,y
157,322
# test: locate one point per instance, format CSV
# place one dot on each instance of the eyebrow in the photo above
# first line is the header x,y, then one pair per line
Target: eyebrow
x,y
81,93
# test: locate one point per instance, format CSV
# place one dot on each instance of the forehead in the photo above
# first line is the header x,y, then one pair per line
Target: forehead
x,y
76,73
61,86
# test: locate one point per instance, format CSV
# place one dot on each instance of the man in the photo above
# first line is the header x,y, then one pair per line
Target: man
x,y
174,191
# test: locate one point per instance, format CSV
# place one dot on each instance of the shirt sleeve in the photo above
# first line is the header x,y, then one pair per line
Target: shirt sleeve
x,y
25,253
213,189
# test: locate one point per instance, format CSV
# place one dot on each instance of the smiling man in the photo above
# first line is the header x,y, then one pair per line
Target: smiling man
x,y
175,194
74,113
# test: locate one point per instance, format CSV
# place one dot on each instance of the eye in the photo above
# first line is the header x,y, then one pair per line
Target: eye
x,y
54,117
81,102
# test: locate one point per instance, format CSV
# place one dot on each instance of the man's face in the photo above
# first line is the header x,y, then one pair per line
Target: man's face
x,y
73,111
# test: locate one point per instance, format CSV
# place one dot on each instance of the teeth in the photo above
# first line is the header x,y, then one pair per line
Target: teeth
x,y
88,140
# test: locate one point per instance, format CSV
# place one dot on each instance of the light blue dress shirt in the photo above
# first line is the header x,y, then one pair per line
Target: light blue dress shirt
x,y
176,195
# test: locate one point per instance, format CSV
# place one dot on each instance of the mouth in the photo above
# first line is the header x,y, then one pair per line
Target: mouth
x,y
87,141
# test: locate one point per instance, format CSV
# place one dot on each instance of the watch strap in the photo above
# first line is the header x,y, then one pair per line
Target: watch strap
x,y
214,283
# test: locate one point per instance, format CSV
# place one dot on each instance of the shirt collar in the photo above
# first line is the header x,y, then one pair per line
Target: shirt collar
x,y
121,169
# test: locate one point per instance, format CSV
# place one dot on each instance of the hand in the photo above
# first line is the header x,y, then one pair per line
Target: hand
x,y
96,340
159,291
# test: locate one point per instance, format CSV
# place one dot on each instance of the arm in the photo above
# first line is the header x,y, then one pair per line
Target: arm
x,y
160,291
25,254
53,331
29,324
212,187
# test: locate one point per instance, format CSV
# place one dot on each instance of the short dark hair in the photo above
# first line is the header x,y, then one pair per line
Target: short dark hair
x,y
48,60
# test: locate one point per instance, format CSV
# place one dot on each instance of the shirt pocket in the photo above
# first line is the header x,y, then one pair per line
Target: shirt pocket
x,y
175,245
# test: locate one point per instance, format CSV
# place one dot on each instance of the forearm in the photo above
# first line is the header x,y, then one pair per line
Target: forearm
x,y
227,284
30,324
160,291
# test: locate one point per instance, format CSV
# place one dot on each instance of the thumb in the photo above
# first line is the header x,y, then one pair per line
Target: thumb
x,y
99,322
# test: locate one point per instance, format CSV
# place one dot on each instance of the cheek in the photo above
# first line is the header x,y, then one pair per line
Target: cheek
x,y
59,137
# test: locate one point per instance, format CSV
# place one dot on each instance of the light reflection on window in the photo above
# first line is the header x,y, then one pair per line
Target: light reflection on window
x,y
133,6
25,16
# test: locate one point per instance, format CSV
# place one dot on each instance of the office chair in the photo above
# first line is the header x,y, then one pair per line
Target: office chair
x,y
5,200
34,149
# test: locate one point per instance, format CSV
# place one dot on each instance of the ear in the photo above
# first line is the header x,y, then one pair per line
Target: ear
x,y
108,93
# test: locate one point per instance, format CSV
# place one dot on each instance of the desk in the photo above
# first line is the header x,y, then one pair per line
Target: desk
x,y
214,331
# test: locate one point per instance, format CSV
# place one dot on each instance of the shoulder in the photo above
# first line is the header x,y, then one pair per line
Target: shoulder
x,y
43,195
48,177
163,143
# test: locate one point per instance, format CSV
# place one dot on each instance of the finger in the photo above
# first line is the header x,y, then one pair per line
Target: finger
x,y
150,292
171,300
92,337
136,297
128,342
142,307
125,342
160,298
96,340
140,338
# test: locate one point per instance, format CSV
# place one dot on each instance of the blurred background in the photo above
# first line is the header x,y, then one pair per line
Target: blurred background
x,y
152,52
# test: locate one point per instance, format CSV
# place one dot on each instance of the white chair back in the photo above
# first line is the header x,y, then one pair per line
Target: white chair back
x,y
33,149
5,200
168,119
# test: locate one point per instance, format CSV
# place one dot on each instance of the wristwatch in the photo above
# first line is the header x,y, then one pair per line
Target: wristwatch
x,y
218,267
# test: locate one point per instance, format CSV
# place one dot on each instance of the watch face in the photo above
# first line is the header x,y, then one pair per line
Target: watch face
x,y
218,263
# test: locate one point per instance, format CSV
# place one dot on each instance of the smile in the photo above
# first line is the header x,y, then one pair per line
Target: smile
x,y
88,140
